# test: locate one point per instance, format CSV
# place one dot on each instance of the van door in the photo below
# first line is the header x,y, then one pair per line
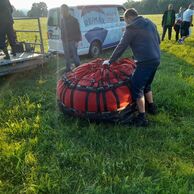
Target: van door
x,y
54,32
114,25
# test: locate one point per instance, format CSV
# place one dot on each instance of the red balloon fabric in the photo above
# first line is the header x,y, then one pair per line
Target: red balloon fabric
x,y
98,89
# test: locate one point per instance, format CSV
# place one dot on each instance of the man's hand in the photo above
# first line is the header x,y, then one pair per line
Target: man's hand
x,y
106,62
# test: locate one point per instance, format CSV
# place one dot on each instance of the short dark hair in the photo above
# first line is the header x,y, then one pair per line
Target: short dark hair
x,y
64,8
130,12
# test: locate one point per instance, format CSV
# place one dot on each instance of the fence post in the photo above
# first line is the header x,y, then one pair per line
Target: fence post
x,y
41,40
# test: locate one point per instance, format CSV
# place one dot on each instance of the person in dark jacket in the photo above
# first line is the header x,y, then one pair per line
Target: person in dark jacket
x,y
70,35
6,28
168,21
143,38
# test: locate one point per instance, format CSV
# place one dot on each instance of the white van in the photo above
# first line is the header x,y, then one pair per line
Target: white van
x,y
101,27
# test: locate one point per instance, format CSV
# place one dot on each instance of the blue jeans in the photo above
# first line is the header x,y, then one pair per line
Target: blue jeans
x,y
142,79
70,53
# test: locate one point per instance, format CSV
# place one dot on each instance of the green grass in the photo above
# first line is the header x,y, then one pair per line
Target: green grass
x,y
41,151
32,25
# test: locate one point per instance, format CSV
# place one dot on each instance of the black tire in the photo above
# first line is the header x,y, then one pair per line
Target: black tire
x,y
95,49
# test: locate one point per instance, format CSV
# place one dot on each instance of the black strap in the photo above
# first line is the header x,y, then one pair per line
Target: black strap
x,y
98,101
73,88
104,101
64,92
71,98
88,93
117,98
128,85
61,94
86,101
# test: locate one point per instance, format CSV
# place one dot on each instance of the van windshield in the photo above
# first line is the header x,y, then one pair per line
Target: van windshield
x,y
53,19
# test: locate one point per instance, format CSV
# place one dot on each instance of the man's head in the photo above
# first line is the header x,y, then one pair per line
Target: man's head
x,y
130,14
64,10
170,7
191,6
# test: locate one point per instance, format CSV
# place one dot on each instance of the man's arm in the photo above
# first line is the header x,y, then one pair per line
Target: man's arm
x,y
122,46
78,31
63,30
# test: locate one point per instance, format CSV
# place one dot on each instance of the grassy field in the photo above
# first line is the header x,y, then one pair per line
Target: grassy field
x,y
41,151
32,25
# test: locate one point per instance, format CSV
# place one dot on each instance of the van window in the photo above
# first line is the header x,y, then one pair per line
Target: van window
x,y
110,15
97,15
121,11
53,19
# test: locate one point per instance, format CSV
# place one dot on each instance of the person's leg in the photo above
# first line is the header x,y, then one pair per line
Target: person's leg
x,y
67,56
169,32
138,82
149,97
181,30
11,38
7,57
150,106
184,31
164,32
3,45
74,53
141,104
187,25
177,30
137,87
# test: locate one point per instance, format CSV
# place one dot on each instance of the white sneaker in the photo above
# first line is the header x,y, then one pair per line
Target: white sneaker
x,y
180,41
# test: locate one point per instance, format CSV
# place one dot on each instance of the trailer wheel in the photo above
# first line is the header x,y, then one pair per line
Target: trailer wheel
x,y
95,49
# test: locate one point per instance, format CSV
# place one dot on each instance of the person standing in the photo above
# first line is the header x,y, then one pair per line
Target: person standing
x,y
143,38
168,21
178,22
187,23
70,36
6,28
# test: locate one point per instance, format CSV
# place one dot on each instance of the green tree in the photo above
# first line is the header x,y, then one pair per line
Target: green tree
x,y
38,10
17,13
156,6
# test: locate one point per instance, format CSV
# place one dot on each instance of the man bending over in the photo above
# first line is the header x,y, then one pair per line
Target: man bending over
x,y
143,38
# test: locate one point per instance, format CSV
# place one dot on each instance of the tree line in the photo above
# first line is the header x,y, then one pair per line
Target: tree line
x,y
37,10
143,7
156,6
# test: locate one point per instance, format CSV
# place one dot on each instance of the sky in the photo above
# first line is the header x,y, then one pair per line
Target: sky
x,y
21,4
